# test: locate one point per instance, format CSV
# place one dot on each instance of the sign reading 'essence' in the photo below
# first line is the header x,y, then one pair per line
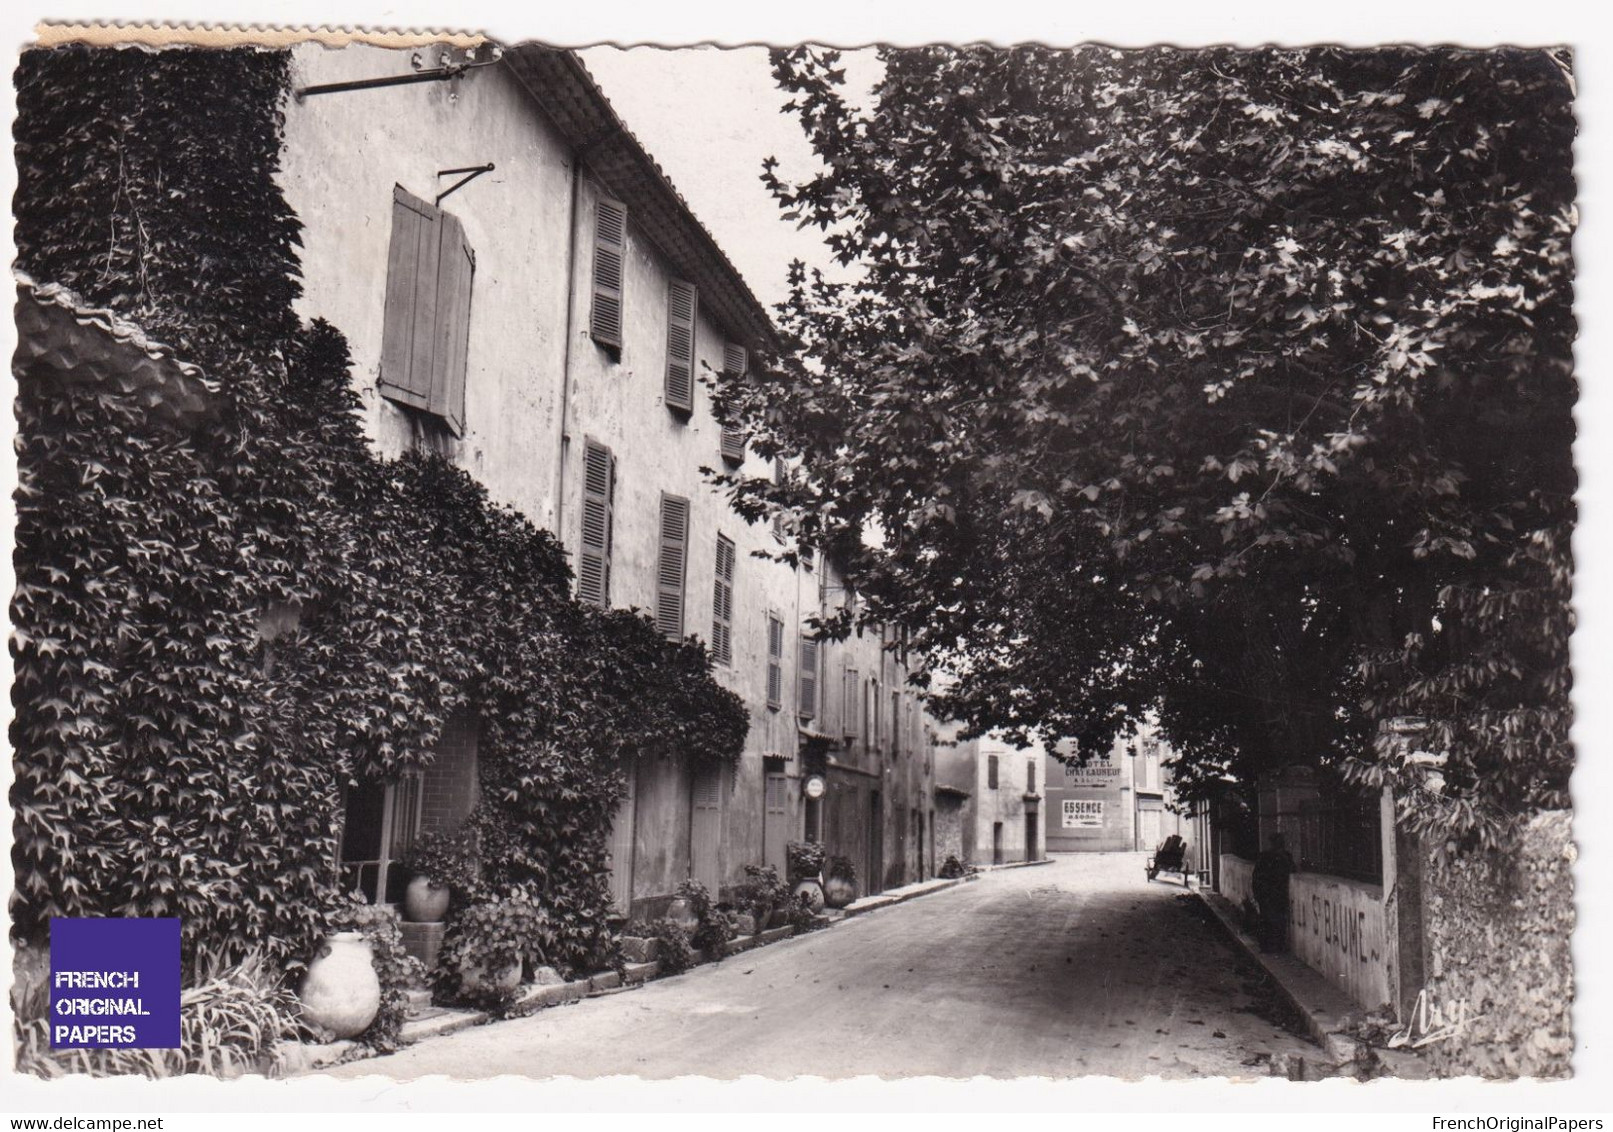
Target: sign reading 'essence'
x,y
114,984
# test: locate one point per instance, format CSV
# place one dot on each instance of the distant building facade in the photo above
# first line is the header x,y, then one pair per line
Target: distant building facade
x,y
1118,800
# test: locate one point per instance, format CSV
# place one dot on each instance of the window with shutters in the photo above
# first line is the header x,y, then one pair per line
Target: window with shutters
x,y
852,695
734,363
775,662
874,737
682,305
809,678
610,256
671,566
598,492
991,771
1030,776
722,604
425,339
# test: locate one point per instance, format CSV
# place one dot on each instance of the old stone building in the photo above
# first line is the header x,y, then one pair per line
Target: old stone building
x,y
525,293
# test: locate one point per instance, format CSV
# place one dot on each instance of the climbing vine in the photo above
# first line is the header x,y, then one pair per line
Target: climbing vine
x,y
219,625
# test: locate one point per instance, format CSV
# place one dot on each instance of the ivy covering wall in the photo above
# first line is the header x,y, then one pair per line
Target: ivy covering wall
x,y
172,757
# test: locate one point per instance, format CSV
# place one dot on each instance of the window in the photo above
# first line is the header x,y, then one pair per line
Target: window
x,y
809,678
896,724
991,772
610,253
670,568
734,363
874,734
722,604
598,490
775,662
682,302
426,335
851,692
1030,776
380,820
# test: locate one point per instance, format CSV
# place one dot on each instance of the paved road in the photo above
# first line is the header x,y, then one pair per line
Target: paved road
x,y
1074,968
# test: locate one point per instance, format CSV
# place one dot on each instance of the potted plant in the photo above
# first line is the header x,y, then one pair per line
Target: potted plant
x,y
341,992
712,929
441,863
840,888
762,895
487,946
803,860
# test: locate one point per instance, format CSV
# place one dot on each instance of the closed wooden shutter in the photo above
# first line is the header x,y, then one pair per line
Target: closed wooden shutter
x,y
408,340
610,255
671,567
734,362
809,678
775,662
456,271
851,693
705,828
598,489
722,604
991,771
681,304
1030,776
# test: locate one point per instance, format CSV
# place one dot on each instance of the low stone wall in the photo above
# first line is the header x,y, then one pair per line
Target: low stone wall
x,y
1237,879
1499,972
1336,928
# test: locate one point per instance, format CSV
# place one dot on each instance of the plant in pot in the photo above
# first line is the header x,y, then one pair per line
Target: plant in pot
x,y
442,863
840,888
764,896
486,948
712,929
803,860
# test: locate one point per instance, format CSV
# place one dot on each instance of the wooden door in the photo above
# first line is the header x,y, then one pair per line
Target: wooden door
x,y
705,828
621,843
776,822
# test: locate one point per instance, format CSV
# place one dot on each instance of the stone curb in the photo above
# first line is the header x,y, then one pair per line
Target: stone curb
x,y
1323,1006
297,1058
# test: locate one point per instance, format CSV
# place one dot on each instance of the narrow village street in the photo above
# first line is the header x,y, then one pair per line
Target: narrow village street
x,y
1068,969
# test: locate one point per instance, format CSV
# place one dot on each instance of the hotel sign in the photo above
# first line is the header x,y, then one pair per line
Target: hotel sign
x,y
1098,771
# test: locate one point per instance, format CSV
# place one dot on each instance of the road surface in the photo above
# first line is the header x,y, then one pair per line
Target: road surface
x,y
1074,968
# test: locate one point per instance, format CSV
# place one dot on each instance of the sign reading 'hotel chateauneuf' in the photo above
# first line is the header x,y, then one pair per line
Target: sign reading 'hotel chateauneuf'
x,y
1098,771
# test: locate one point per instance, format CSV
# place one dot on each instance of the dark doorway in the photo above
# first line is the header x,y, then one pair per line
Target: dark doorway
x,y
996,842
876,844
1030,836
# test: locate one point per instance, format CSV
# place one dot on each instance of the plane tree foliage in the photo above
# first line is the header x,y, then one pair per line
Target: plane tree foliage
x,y
1233,385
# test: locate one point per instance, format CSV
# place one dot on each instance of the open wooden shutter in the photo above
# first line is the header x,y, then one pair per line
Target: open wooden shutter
x,y
722,604
610,255
775,662
670,570
681,304
593,561
734,362
809,678
408,337
456,270
850,694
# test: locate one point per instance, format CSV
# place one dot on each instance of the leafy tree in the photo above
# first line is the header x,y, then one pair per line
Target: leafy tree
x,y
1235,384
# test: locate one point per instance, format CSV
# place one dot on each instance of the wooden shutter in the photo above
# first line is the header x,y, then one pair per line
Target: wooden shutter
x,y
598,489
734,362
681,304
850,693
705,827
408,342
673,561
896,723
722,604
610,255
991,771
775,662
1030,776
456,270
809,678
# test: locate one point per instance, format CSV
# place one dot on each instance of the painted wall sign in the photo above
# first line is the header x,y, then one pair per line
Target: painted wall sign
x,y
1099,770
1081,814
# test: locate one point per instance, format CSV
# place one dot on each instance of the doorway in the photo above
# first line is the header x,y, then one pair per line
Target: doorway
x,y
1032,821
876,845
996,842
705,828
776,822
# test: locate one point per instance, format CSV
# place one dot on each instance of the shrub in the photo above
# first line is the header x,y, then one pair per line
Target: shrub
x,y
487,938
673,952
952,868
841,868
447,859
230,1019
762,892
714,931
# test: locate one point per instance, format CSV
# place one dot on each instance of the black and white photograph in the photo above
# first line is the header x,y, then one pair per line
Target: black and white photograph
x,y
950,559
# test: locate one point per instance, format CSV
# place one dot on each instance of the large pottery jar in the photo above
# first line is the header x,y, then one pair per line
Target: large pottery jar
x,y
341,991
811,892
425,902
681,912
838,892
